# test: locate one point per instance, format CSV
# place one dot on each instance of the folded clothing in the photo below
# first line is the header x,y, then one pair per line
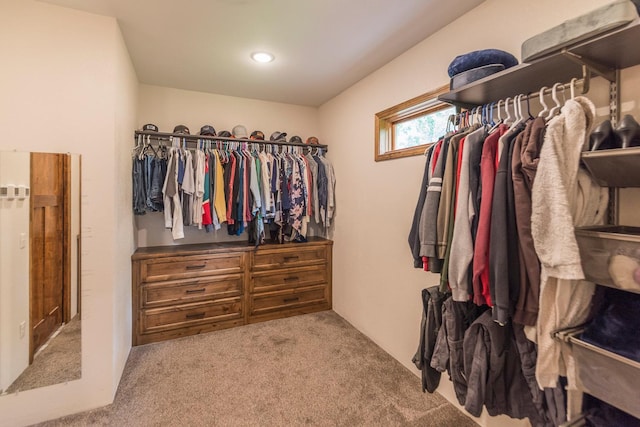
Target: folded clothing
x,y
478,64
480,58
615,327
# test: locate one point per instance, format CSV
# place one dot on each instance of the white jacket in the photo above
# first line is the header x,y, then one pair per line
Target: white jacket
x,y
563,196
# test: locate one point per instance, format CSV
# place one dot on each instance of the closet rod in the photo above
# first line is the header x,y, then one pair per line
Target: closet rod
x,y
584,82
194,138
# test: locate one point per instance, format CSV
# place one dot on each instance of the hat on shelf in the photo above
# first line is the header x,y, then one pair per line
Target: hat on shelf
x,y
225,134
296,139
278,136
150,127
207,130
181,129
258,135
312,140
478,64
239,131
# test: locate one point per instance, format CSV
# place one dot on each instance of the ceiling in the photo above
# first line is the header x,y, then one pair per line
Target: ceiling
x,y
321,46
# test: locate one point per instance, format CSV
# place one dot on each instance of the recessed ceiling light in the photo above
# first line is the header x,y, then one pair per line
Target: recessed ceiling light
x,y
263,57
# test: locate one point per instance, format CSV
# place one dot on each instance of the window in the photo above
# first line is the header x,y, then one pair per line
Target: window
x,y
409,128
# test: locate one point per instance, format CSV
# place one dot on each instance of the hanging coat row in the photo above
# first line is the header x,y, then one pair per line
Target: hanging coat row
x,y
495,217
260,191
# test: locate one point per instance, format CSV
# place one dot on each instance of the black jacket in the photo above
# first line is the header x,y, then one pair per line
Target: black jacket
x,y
448,354
494,373
432,300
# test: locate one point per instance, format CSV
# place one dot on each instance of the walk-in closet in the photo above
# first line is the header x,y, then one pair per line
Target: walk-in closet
x,y
329,212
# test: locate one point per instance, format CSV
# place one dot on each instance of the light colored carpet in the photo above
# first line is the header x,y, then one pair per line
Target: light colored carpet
x,y
58,362
314,369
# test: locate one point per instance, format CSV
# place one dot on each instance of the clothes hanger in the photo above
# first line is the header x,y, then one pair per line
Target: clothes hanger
x,y
545,109
554,96
491,107
506,110
517,110
529,107
573,87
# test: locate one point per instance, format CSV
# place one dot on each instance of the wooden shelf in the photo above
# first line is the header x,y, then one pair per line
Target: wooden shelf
x,y
616,49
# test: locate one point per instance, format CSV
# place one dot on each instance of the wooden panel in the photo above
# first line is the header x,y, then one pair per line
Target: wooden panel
x,y
291,257
190,266
227,285
185,291
47,250
289,278
282,300
179,316
184,331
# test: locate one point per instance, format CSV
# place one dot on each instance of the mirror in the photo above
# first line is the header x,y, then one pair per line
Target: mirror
x,y
40,341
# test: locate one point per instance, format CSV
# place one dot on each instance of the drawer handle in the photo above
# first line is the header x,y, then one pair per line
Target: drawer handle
x,y
196,267
291,279
291,258
291,299
195,316
195,291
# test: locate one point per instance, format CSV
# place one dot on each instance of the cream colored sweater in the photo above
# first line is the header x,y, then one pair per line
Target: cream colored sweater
x,y
563,196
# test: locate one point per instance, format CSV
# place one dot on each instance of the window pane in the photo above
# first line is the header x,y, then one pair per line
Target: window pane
x,y
422,130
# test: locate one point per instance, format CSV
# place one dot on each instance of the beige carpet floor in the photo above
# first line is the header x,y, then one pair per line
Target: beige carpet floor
x,y
58,362
313,370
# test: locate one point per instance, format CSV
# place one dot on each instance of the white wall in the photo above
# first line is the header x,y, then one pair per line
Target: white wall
x,y
167,108
126,103
14,270
375,286
61,92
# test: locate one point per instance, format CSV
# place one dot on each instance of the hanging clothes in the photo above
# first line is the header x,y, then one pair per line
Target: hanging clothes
x,y
526,153
240,185
563,196
462,240
172,202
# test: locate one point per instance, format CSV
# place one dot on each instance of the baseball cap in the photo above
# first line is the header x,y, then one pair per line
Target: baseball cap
x,y
312,140
278,136
181,129
150,127
256,134
207,130
239,131
225,134
296,139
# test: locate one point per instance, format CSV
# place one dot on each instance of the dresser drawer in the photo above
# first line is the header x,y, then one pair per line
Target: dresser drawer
x,y
284,300
182,267
193,290
290,257
289,279
178,316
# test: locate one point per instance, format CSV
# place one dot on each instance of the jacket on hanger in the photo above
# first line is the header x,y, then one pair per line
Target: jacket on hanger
x,y
526,154
563,196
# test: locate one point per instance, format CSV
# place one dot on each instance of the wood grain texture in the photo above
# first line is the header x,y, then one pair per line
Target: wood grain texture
x,y
179,291
49,260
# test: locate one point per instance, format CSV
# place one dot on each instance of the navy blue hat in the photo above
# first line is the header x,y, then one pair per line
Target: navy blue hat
x,y
474,74
481,58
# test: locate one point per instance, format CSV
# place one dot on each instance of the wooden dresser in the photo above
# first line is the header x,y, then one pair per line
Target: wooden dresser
x,y
191,289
